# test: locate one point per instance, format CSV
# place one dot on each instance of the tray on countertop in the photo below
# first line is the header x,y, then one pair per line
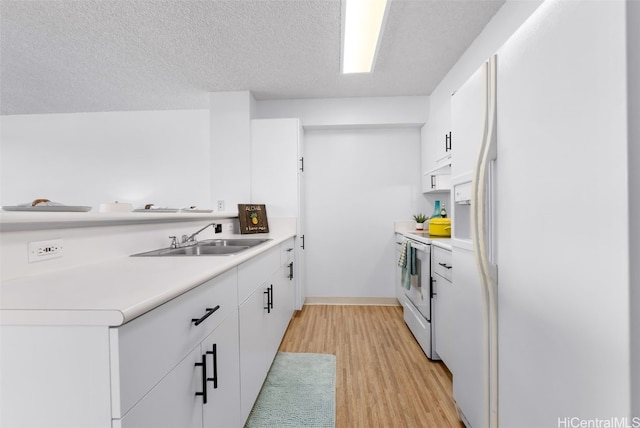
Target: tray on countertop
x,y
49,208
156,210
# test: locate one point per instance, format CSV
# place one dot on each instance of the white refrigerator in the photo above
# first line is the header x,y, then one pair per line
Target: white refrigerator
x,y
540,225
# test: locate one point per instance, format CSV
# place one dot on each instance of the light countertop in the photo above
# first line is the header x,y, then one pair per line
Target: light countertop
x,y
116,291
408,229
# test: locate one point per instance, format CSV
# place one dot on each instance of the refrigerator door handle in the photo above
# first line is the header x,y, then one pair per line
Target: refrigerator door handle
x,y
481,233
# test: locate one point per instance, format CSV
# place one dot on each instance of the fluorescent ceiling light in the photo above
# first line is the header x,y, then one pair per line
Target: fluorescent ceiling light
x,y
362,25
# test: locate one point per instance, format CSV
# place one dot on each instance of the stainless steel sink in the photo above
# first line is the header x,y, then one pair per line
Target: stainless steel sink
x,y
212,247
204,250
232,242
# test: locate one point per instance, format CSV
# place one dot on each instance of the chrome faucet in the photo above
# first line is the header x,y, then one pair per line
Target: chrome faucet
x,y
186,239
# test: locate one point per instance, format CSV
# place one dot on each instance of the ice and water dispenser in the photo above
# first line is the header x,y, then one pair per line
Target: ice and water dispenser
x,y
462,207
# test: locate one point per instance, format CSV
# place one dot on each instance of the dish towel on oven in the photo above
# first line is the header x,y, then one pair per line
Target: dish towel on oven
x,y
407,262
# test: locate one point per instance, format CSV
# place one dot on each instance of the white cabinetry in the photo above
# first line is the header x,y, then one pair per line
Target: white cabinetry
x,y
155,357
266,307
437,181
54,377
177,365
437,137
141,374
223,397
443,304
172,403
284,292
277,179
211,369
437,149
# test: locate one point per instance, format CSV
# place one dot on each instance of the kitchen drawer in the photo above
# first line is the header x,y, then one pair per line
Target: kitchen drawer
x,y
172,403
442,262
286,252
254,272
144,350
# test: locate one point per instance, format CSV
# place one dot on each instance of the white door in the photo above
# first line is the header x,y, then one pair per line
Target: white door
x,y
358,183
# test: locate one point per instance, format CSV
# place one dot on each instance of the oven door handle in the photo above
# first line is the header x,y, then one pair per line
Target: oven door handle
x,y
419,247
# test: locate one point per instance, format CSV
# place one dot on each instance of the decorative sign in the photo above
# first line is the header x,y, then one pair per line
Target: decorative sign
x,y
253,218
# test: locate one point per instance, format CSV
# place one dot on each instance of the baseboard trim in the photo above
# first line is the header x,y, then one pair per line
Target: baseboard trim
x,y
358,301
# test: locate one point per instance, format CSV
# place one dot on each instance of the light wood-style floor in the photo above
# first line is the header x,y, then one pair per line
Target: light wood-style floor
x,y
383,378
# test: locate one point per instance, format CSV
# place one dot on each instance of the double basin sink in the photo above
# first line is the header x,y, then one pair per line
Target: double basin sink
x,y
211,247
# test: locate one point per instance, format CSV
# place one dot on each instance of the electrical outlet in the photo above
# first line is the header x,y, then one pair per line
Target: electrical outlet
x,y
45,250
221,205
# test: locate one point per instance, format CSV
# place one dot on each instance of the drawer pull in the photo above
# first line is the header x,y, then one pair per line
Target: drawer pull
x,y
269,294
203,364
444,265
271,289
214,353
198,321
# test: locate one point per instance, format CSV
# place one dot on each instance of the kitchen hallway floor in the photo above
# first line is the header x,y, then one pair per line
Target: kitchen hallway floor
x,y
383,379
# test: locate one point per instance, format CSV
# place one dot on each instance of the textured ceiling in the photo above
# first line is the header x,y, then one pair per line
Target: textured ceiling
x,y
104,55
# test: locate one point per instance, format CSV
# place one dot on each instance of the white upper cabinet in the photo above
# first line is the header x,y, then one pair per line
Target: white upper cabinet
x,y
275,163
277,180
437,148
467,115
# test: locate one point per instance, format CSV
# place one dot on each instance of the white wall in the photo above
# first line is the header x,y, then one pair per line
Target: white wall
x,y
86,245
379,141
159,157
348,112
358,182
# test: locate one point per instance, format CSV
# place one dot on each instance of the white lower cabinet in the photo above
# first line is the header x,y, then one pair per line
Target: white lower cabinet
x,y
443,305
172,403
201,391
264,317
223,387
255,357
167,387
157,370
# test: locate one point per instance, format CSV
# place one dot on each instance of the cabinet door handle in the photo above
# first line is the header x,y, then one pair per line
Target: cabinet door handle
x,y
270,297
214,353
198,321
268,293
446,266
204,379
290,271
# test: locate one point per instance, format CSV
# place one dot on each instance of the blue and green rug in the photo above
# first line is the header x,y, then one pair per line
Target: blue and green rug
x,y
299,392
